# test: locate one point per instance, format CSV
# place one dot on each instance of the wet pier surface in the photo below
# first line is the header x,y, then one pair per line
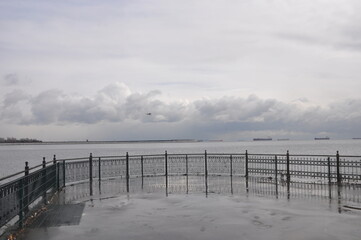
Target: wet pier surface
x,y
225,211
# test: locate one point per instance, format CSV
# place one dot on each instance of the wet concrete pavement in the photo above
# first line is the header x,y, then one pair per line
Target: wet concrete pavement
x,y
146,215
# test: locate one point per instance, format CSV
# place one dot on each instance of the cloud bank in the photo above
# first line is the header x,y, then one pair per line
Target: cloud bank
x,y
231,118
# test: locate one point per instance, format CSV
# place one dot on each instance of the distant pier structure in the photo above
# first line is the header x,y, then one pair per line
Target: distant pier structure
x,y
262,139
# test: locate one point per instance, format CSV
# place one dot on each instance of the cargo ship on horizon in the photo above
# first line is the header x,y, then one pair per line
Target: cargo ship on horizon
x,y
322,138
262,139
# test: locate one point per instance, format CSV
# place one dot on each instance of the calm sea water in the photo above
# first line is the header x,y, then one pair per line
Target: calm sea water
x,y
13,157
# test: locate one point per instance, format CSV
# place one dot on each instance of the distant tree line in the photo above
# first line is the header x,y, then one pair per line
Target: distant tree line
x,y
21,140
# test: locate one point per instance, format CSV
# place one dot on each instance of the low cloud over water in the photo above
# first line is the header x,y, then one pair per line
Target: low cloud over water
x,y
225,117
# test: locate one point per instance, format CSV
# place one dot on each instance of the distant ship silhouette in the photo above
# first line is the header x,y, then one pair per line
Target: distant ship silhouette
x,y
322,138
262,139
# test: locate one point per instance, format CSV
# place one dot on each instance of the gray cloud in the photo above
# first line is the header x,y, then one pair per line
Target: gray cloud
x,y
10,79
14,97
227,116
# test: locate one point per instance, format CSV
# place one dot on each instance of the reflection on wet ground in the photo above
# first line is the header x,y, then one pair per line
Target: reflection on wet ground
x,y
348,196
196,207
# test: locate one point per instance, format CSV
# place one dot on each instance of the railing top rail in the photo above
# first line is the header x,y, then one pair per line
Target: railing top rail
x,y
184,154
209,154
71,159
35,167
20,175
10,176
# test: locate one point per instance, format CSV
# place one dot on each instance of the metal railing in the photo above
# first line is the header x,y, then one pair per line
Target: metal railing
x,y
18,192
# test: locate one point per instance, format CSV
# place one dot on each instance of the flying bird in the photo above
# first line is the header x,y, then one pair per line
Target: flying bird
x,y
149,114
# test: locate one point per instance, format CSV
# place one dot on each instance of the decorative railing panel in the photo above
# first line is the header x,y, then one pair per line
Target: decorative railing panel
x,y
238,165
350,169
154,165
10,200
219,165
196,165
112,167
178,165
312,168
261,165
76,171
135,166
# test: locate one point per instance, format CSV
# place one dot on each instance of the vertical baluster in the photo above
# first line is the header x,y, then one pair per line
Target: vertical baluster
x,y
276,175
91,174
338,168
206,171
26,188
142,170
231,167
127,170
246,175
55,179
187,172
246,164
166,172
288,175
44,185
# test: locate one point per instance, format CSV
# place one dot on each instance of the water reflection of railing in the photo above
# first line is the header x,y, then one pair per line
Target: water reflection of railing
x,y
336,195
280,175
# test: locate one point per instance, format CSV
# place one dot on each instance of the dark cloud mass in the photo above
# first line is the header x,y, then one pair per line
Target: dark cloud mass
x,y
10,79
226,117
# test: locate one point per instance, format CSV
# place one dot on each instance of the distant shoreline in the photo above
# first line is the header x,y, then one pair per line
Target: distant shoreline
x,y
104,142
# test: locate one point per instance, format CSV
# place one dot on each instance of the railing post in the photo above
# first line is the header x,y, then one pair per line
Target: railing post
x,y
166,163
288,176
91,174
338,168
166,172
90,167
205,163
127,170
276,175
56,180
206,171
186,164
142,169
246,175
142,165
64,182
231,168
187,172
26,188
44,187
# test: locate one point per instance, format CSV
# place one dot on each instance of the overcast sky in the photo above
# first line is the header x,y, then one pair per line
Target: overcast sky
x,y
204,69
